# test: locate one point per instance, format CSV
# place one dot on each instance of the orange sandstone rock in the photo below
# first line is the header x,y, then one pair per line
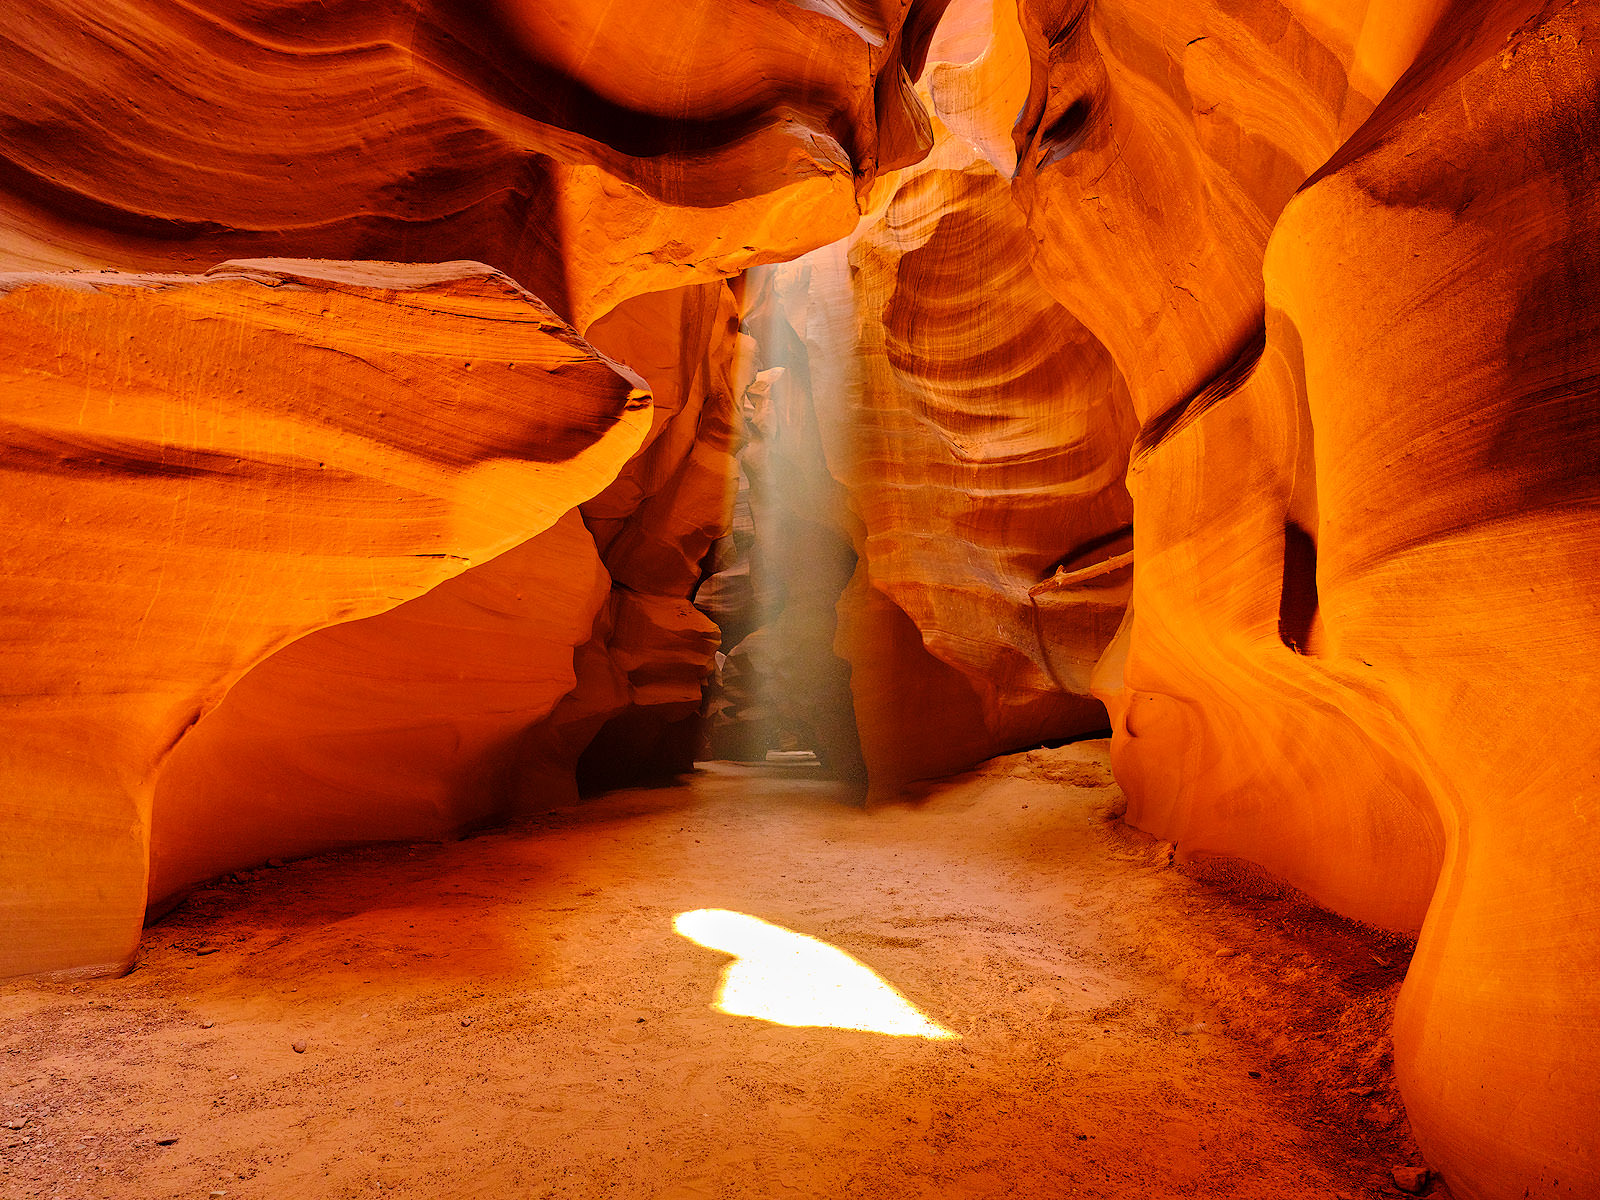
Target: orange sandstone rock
x,y
1459,515
984,459
655,524
1365,523
1326,266
590,151
979,75
199,470
401,726
465,705
143,137
1157,147
978,435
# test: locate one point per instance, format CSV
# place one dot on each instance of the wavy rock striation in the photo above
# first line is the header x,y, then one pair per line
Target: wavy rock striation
x,y
317,550
479,700
634,714
1359,332
142,134
142,137
200,469
972,452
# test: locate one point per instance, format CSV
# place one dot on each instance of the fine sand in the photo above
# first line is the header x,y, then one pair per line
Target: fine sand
x,y
514,1015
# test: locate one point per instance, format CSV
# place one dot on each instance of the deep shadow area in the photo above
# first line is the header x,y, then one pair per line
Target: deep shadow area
x,y
1298,601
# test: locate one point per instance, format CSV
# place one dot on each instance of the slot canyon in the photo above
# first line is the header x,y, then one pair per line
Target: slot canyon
x,y
916,598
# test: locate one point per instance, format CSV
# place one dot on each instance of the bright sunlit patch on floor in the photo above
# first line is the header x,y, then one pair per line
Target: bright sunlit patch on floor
x,y
787,978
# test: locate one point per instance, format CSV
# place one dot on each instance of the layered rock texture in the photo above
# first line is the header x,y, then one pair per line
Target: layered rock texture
x,y
476,701
205,466
940,477
1360,339
139,133
970,455
199,469
375,405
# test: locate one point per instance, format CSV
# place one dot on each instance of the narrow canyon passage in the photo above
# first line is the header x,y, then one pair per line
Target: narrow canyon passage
x,y
514,1014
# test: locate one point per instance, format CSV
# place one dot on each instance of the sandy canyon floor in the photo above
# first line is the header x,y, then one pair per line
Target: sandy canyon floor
x,y
514,1015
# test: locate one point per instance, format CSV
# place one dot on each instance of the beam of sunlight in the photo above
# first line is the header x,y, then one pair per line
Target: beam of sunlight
x,y
787,978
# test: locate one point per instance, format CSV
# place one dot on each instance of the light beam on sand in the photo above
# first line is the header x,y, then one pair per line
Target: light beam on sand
x,y
787,978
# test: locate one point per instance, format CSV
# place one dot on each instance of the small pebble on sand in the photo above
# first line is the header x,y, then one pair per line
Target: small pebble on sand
x,y
1411,1179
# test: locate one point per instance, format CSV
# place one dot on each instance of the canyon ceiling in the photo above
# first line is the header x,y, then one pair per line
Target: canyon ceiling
x,y
412,407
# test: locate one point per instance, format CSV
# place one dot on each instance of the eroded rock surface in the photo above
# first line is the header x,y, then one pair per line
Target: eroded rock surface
x,y
141,134
477,701
1319,275
635,716
200,469
1362,351
977,449
141,137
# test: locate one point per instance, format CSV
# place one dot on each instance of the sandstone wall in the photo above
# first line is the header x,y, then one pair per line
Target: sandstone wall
x,y
591,152
1345,261
199,469
323,548
968,436
229,462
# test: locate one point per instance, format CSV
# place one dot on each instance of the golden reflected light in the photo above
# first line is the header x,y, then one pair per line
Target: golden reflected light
x,y
787,978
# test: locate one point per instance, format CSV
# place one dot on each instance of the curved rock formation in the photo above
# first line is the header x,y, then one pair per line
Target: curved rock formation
x,y
1319,275
985,460
466,704
977,450
636,717
141,134
402,726
199,469
1459,514
1364,495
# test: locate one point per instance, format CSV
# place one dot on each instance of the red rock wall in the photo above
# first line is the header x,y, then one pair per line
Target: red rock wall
x,y
1362,350
200,469
400,726
970,438
635,715
451,416
141,134
1319,275
466,705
